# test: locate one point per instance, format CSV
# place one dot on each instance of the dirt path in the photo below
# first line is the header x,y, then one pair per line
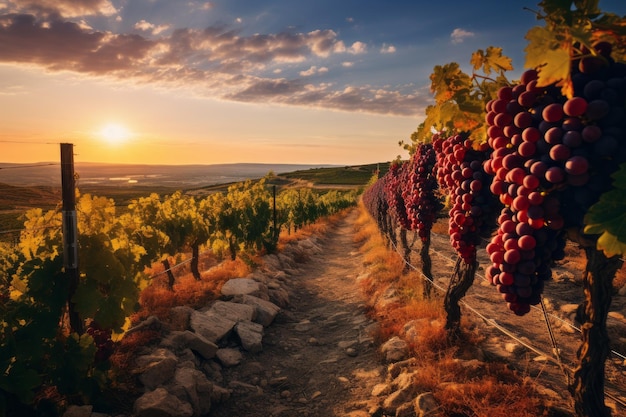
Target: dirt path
x,y
318,357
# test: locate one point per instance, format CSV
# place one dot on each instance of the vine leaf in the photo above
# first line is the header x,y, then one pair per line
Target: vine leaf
x,y
608,217
491,59
549,54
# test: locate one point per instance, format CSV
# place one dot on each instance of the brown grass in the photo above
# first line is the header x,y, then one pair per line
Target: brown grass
x,y
461,387
157,299
440,226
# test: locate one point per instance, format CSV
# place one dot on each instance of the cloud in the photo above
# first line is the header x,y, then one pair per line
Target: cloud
x,y
67,8
458,35
149,27
351,98
313,70
347,64
387,49
358,48
216,61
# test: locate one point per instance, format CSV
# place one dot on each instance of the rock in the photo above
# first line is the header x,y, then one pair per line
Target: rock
x,y
381,389
303,326
251,335
397,398
192,386
265,310
279,296
210,325
178,341
395,349
229,357
271,262
156,368
425,404
285,261
406,410
179,318
219,394
78,411
160,403
403,381
395,368
233,311
514,348
345,344
241,286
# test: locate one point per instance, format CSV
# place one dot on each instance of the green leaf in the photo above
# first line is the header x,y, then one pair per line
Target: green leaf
x,y
87,298
21,381
608,217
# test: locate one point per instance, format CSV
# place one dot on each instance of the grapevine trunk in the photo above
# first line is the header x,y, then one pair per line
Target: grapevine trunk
x,y
427,266
170,274
587,387
195,258
406,248
462,279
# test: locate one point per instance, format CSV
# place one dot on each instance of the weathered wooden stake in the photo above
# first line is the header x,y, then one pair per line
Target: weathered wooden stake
x,y
70,232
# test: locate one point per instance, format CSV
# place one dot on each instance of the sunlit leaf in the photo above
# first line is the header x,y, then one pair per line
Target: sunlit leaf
x,y
608,217
550,55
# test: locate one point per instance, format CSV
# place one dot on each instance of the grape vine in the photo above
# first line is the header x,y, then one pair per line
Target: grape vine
x,y
550,149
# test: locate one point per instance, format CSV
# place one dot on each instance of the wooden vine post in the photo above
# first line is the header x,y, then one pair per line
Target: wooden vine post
x,y
70,232
587,387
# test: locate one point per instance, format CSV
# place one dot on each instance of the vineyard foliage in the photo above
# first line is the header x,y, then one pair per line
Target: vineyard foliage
x,y
39,350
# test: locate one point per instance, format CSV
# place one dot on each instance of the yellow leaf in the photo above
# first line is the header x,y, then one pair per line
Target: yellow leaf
x,y
556,68
610,245
549,54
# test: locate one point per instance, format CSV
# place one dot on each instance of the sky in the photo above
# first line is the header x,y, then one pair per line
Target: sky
x,y
232,81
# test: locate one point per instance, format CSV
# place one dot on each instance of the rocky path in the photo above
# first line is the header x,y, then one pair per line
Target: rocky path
x,y
318,356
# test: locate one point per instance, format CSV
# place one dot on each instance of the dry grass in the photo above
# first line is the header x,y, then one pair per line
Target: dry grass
x,y
320,227
440,226
158,300
461,387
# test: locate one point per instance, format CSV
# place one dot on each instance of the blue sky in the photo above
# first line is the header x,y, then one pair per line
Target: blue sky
x,y
188,81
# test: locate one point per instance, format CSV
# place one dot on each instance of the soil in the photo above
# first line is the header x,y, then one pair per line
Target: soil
x,y
320,358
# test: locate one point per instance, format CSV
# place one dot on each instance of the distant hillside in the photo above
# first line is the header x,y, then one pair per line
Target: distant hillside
x,y
126,175
16,198
349,175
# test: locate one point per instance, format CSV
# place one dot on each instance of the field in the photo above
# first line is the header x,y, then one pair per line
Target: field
x,y
15,199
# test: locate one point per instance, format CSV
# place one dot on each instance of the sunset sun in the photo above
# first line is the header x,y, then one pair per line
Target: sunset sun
x,y
114,133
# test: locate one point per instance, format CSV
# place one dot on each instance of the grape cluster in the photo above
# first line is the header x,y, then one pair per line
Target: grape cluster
x,y
419,191
460,172
551,156
102,340
393,182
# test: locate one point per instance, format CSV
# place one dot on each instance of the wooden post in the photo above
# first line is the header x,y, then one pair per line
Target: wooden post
x,y
274,214
70,231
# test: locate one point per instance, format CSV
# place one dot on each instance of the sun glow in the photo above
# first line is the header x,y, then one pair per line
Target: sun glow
x,y
114,133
